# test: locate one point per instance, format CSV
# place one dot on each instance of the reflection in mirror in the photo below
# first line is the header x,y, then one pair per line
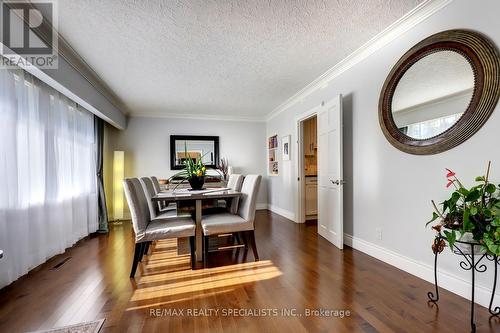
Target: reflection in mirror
x,y
195,149
433,94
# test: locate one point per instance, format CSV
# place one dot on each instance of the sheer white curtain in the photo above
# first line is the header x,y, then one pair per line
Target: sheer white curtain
x,y
48,190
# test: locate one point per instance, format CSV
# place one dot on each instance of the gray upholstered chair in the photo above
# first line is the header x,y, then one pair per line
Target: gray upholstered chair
x,y
147,229
156,184
234,182
243,221
154,210
162,205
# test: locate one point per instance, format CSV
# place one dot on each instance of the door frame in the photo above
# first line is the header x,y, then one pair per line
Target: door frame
x,y
301,181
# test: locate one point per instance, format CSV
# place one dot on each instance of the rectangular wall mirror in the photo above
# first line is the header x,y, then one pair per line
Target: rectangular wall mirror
x,y
196,147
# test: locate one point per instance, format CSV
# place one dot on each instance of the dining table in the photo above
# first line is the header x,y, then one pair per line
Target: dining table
x,y
196,196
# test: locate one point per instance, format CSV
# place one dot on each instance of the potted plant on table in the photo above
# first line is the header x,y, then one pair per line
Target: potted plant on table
x,y
194,172
470,215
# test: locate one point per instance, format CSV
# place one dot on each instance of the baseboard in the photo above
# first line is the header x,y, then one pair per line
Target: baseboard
x,y
262,206
283,212
446,280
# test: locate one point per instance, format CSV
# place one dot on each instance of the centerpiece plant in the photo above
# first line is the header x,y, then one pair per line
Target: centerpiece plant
x,y
194,172
470,214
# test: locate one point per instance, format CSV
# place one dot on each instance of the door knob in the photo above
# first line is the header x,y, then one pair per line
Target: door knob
x,y
338,182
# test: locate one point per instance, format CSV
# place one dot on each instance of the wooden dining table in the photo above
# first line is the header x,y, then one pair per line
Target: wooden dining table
x,y
198,197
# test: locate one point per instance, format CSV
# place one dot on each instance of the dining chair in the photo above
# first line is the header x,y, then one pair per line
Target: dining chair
x,y
234,182
161,204
154,210
156,184
147,229
243,221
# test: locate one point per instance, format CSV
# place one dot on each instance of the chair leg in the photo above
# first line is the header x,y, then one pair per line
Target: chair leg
x,y
192,247
251,235
137,257
141,254
245,239
146,247
237,237
205,251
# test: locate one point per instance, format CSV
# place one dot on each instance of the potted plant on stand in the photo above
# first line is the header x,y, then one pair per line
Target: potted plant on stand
x,y
469,216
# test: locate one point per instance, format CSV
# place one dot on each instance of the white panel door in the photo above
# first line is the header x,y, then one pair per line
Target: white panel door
x,y
330,173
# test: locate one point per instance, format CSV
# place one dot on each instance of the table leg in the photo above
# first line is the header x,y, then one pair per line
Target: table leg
x,y
199,232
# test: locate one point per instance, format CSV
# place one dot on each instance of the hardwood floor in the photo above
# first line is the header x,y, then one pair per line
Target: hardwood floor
x,y
298,270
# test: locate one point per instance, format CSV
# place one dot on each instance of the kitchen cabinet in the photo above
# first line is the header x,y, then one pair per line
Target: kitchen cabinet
x,y
311,193
310,136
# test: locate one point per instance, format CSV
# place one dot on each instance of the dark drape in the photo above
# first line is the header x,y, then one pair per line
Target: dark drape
x,y
99,139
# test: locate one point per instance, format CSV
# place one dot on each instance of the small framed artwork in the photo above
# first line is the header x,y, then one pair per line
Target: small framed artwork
x,y
286,148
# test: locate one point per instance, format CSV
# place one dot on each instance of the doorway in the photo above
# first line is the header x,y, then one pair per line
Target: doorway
x,y
307,175
310,169
320,169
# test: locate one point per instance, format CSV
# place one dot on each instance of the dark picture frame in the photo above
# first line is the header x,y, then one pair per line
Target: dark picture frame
x,y
174,138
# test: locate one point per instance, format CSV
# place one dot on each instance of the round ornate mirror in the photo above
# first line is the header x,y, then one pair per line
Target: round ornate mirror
x,y
440,92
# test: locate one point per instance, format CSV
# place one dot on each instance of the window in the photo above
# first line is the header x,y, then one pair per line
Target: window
x,y
48,188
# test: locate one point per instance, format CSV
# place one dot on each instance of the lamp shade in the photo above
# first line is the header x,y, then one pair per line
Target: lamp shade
x,y
118,175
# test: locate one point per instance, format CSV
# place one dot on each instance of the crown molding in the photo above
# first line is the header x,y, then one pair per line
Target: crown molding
x,y
219,117
396,29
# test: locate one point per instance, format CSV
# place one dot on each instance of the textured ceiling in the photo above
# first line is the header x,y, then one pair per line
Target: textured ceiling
x,y
218,58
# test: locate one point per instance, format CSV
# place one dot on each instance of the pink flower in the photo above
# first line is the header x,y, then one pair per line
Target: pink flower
x,y
450,182
450,173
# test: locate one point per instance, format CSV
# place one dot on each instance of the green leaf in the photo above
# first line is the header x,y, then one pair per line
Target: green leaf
x,y
463,191
490,188
493,248
434,217
451,237
480,179
451,204
472,196
473,210
467,224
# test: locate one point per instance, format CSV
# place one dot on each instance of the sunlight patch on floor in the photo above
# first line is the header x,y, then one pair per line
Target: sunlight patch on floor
x,y
167,275
180,299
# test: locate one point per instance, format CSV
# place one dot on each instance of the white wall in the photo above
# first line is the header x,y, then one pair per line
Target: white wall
x,y
146,142
387,188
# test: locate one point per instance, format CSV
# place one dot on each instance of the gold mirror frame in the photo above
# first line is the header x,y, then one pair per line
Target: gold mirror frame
x,y
484,59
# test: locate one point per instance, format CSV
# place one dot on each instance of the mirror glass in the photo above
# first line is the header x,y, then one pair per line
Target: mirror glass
x,y
433,94
195,149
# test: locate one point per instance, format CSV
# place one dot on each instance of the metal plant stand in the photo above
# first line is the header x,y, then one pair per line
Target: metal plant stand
x,y
473,264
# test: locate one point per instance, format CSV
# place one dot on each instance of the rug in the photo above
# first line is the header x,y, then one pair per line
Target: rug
x,y
87,327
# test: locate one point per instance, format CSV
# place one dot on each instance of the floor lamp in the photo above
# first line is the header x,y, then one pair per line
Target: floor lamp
x,y
118,176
